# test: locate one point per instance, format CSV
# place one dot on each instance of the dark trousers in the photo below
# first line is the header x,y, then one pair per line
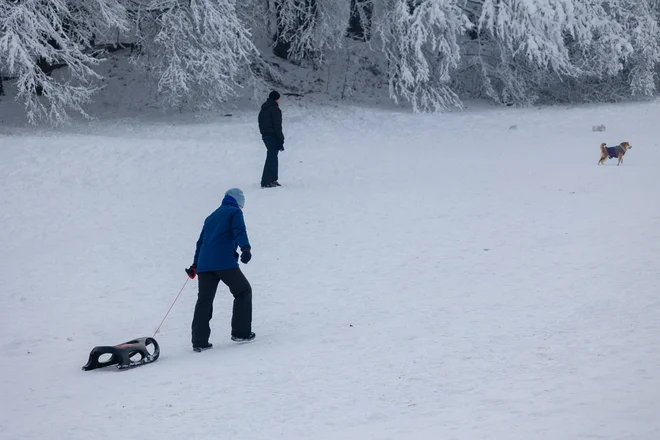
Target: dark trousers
x,y
271,166
241,321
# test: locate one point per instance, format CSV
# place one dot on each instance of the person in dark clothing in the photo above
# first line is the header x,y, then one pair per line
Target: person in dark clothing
x,y
216,260
270,127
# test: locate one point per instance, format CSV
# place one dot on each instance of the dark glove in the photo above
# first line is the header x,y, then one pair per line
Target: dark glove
x,y
192,271
246,255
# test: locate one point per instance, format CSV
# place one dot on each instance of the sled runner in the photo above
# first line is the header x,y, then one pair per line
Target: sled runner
x,y
130,354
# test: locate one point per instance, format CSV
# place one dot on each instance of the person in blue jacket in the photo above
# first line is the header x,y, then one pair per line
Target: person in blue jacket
x,y
216,260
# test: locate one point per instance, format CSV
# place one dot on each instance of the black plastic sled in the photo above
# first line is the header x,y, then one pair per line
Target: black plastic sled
x,y
130,354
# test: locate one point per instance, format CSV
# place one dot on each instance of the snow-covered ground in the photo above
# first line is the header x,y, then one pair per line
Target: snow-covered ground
x,y
416,277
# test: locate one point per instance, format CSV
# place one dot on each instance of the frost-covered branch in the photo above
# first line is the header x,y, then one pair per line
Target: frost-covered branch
x,y
641,25
198,50
421,46
37,34
360,21
546,48
307,29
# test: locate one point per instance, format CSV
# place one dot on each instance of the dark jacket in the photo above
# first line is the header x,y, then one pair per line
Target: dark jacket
x,y
223,231
270,120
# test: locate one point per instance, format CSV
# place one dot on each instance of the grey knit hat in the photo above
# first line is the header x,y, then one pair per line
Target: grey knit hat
x,y
238,195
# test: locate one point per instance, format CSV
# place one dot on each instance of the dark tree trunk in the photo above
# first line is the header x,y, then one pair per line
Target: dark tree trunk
x,y
2,88
359,23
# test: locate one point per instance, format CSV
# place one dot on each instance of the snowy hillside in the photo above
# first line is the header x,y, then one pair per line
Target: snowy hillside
x,y
416,277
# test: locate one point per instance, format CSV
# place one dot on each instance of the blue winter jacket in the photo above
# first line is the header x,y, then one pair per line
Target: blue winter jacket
x,y
223,231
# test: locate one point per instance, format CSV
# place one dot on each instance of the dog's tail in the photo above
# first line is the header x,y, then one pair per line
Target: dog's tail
x,y
602,148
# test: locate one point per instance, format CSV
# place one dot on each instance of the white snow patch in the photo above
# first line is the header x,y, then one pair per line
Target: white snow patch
x,y
428,277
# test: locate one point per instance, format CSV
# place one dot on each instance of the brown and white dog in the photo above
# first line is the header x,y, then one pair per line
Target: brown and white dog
x,y
613,152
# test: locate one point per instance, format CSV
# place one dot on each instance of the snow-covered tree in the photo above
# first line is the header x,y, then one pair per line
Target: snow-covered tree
x,y
296,21
199,51
37,36
432,52
641,24
361,18
525,50
307,29
420,41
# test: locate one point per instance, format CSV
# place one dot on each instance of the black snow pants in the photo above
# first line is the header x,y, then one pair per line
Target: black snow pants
x,y
241,321
271,166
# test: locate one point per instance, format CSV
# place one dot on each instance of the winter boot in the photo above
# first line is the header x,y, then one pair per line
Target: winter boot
x,y
249,338
202,347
